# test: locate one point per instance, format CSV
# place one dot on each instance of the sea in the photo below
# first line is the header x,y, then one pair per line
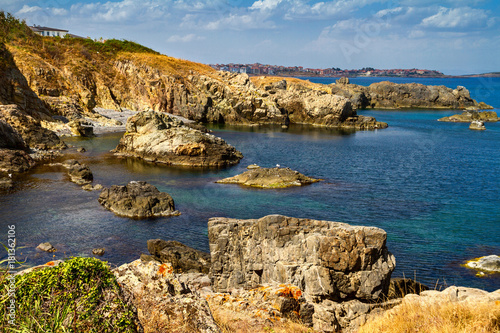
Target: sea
x,y
434,187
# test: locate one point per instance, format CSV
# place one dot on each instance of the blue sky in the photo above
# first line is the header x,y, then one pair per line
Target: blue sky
x,y
455,37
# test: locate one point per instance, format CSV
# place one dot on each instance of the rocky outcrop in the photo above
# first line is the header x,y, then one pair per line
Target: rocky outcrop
x,y
183,259
137,199
270,178
33,134
163,303
477,125
487,264
15,161
469,116
79,173
327,260
47,247
157,137
388,95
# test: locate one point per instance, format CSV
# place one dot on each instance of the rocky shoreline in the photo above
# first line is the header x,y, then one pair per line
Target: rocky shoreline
x,y
330,276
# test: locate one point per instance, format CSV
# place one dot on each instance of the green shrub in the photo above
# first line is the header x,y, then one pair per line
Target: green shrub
x,y
78,295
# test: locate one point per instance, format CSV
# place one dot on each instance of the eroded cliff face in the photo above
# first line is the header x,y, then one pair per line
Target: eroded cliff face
x,y
73,83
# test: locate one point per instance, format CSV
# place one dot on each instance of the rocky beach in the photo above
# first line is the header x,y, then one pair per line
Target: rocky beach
x,y
264,271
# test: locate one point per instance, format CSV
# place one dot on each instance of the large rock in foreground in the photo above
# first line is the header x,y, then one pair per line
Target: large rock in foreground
x,y
327,260
137,200
157,137
270,178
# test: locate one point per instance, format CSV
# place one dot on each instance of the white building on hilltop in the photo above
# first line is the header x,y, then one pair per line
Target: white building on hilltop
x,y
46,31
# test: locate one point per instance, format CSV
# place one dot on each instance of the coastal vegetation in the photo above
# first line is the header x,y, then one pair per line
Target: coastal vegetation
x,y
78,295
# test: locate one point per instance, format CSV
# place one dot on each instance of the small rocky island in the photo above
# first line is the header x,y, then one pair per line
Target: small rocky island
x,y
158,137
470,116
137,200
269,178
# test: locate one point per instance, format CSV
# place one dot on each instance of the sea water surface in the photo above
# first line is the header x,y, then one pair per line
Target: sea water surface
x,y
432,186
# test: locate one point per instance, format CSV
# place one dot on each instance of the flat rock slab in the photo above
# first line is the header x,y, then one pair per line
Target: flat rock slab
x,y
270,178
137,200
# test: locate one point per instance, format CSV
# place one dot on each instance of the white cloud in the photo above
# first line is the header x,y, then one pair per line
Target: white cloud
x,y
266,4
463,17
184,39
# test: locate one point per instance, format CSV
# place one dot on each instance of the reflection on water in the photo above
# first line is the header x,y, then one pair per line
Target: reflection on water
x,y
432,186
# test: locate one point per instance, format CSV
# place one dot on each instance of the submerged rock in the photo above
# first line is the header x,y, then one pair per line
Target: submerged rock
x,y
157,137
98,252
270,178
327,260
137,199
47,247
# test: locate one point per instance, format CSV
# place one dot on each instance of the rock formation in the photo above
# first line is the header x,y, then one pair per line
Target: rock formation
x,y
183,259
79,173
157,137
163,303
487,264
270,178
477,125
388,95
469,116
137,199
327,260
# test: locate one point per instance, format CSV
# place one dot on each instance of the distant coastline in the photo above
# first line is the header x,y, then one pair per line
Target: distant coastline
x,y
258,69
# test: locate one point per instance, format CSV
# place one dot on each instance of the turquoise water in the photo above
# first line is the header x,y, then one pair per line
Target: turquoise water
x,y
433,186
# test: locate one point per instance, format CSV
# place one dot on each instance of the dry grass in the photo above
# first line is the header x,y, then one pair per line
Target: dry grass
x,y
168,65
448,317
261,81
239,322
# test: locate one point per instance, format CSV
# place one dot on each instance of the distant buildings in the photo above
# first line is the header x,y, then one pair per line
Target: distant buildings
x,y
260,69
52,32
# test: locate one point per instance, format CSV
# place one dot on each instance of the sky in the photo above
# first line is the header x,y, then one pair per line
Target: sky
x,y
452,36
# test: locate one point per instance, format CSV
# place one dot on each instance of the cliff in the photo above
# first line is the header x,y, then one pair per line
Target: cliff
x,y
389,95
69,77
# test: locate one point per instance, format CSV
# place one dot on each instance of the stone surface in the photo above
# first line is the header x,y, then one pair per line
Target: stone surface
x,y
270,178
47,247
388,95
10,138
29,128
183,259
99,251
81,128
327,260
157,137
490,264
15,161
477,125
79,173
137,199
469,116
163,303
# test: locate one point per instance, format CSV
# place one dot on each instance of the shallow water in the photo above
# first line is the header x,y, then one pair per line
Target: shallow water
x,y
432,186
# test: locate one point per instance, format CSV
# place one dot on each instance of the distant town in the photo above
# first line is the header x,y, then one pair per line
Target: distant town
x,y
260,69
